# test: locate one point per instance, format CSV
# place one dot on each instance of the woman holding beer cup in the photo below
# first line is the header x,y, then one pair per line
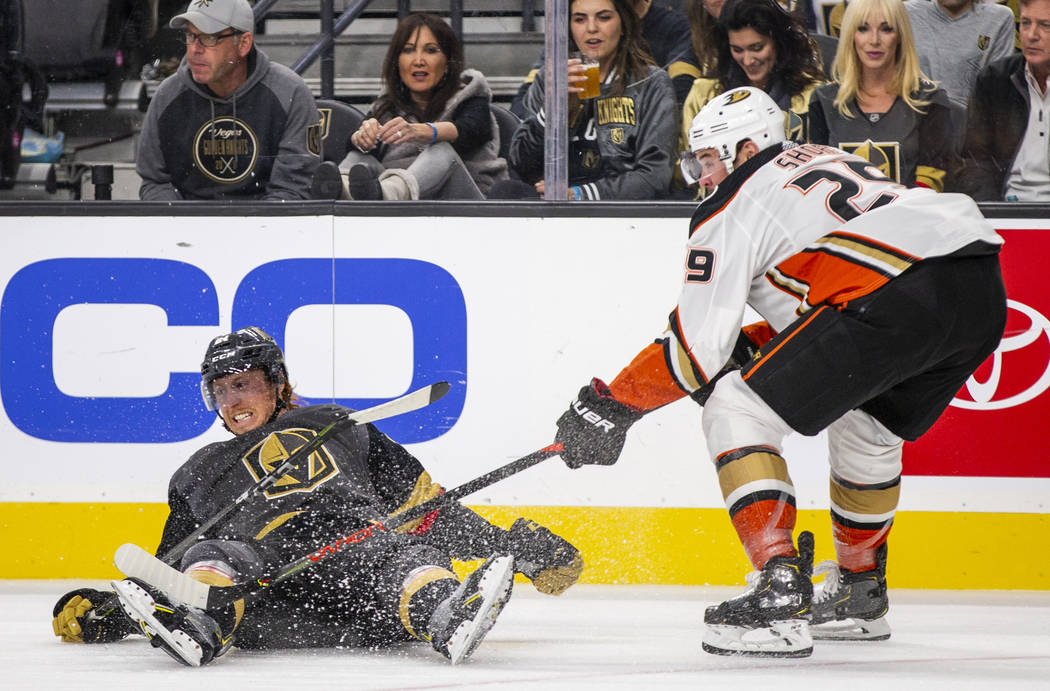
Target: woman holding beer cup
x,y
622,134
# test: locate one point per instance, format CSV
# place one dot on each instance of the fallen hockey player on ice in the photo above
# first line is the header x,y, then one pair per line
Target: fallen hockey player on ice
x,y
388,586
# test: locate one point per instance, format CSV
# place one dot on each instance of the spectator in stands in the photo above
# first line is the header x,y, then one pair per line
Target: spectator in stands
x,y
621,144
881,106
666,32
229,123
760,45
1005,155
703,22
703,19
956,38
431,133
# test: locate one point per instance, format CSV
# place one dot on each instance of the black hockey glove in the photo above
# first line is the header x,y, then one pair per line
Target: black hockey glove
x,y
549,561
594,427
87,615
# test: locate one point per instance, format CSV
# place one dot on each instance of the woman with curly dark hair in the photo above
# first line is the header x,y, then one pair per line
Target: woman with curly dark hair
x,y
430,134
762,46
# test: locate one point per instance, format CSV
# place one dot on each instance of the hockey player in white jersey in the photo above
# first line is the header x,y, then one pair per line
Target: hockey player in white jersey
x,y
880,301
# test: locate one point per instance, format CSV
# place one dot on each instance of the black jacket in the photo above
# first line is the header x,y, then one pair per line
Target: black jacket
x,y
996,120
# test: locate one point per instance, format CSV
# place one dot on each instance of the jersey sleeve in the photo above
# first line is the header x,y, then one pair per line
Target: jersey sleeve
x,y
705,325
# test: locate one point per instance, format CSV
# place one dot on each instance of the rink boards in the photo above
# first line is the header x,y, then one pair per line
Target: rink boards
x,y
103,320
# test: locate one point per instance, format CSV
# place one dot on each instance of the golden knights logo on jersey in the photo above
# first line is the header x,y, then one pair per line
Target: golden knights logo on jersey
x,y
304,477
796,126
886,156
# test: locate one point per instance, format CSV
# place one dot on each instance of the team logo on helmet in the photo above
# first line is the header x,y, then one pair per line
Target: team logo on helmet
x,y
226,149
306,476
736,96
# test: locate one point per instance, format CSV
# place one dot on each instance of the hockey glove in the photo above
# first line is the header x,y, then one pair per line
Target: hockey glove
x,y
594,427
90,616
549,561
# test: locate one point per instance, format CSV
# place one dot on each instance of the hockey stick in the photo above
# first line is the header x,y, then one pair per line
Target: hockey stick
x,y
136,562
404,404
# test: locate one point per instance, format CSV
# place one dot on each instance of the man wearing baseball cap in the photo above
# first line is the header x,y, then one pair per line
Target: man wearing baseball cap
x,y
229,123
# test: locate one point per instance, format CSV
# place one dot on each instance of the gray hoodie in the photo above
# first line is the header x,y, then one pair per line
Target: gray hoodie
x,y
260,142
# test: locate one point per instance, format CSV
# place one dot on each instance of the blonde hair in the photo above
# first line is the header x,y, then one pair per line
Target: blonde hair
x,y
907,77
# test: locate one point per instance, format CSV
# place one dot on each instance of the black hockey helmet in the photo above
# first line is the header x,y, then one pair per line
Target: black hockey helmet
x,y
240,351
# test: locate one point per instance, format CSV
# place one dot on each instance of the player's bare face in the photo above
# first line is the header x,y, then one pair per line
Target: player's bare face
x,y
1035,36
876,43
596,28
245,400
221,68
712,169
422,63
755,53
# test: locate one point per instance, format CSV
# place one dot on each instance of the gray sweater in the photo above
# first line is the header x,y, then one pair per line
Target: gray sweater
x,y
254,144
953,51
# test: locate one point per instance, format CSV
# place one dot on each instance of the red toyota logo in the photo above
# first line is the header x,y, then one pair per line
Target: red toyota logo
x,y
1019,370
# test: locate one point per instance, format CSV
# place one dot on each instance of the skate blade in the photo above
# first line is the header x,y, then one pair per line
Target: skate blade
x,y
494,588
851,629
140,606
788,638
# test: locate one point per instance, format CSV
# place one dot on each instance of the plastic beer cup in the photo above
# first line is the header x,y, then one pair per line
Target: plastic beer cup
x,y
592,87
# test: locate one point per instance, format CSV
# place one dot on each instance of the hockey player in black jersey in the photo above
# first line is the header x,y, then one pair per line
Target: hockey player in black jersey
x,y
396,585
879,301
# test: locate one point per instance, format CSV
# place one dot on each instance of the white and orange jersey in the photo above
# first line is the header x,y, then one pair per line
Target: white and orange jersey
x,y
798,227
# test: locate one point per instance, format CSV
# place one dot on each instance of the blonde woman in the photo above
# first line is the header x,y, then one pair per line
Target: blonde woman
x,y
881,106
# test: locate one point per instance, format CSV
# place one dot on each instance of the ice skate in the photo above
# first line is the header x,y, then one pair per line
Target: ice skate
x,y
769,619
186,633
460,622
851,606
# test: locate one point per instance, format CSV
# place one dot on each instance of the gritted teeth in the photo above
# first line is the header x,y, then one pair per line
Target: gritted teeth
x,y
242,416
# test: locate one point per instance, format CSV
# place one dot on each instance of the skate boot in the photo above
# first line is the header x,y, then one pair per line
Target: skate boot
x,y
851,605
769,619
460,622
186,633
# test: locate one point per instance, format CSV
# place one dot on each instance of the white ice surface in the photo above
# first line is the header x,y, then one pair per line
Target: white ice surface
x,y
592,637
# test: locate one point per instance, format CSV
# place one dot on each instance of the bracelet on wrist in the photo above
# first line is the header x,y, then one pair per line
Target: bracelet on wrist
x,y
433,131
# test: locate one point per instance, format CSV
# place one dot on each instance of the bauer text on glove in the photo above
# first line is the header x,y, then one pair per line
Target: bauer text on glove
x,y
594,427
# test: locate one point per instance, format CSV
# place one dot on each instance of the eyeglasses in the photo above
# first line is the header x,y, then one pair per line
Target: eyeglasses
x,y
207,40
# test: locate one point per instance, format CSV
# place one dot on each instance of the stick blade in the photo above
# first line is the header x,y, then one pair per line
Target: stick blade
x,y
420,398
135,562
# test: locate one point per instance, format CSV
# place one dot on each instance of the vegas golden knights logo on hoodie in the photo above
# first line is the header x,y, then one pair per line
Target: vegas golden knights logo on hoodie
x,y
225,149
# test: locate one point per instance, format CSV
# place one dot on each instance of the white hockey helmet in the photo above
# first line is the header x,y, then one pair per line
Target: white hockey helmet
x,y
728,119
